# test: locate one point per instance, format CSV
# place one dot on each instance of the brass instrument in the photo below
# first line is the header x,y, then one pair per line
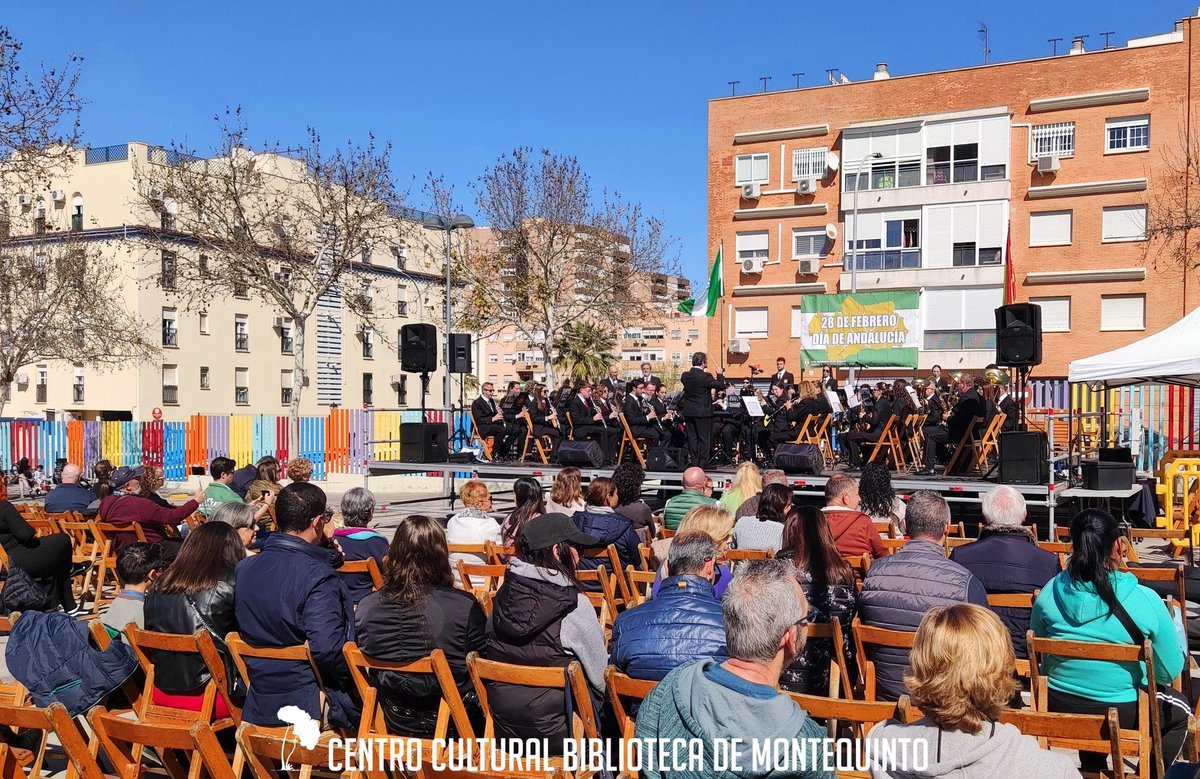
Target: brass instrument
x,y
920,384
997,377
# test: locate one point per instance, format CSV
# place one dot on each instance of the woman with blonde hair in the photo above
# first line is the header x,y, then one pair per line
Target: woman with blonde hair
x,y
566,497
747,482
715,522
961,677
472,526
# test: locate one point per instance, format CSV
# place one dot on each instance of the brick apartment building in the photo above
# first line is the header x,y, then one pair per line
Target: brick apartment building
x,y
1059,156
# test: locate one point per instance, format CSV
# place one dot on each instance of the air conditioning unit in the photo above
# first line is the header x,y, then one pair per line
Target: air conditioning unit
x,y
806,187
810,267
22,379
58,196
154,194
278,321
397,378
753,265
24,199
1048,164
751,191
739,346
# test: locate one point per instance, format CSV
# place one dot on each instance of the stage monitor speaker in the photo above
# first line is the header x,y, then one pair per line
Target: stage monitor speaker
x,y
799,458
1024,458
579,453
460,352
418,348
1019,335
423,443
664,458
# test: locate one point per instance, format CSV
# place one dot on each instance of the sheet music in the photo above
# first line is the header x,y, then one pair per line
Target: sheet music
x,y
753,406
834,401
852,400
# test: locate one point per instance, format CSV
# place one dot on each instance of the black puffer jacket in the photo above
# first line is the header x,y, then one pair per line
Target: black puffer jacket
x,y
809,673
608,527
184,615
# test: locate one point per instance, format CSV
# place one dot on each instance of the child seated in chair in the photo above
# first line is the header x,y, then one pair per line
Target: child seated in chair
x,y
137,566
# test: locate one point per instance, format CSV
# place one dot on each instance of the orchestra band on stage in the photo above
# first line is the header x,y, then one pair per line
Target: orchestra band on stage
x,y
717,422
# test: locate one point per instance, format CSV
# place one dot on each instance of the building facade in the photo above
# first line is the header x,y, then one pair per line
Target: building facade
x,y
953,183
228,355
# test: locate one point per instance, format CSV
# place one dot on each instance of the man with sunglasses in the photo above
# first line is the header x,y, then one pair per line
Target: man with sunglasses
x,y
288,594
489,421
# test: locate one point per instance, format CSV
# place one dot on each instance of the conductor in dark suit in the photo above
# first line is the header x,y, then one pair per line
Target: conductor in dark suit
x,y
588,422
489,421
968,407
697,408
782,375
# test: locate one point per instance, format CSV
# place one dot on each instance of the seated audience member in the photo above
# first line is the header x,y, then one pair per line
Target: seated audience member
x,y
853,531
101,472
628,476
266,479
961,679
697,491
359,542
194,594
683,623
242,478
47,558
1094,601
765,626
749,507
829,587
1006,559
541,617
527,497
137,566
70,495
222,470
600,520
765,531
153,481
299,469
290,593
900,590
419,610
125,507
747,482
240,517
715,522
877,499
566,497
473,525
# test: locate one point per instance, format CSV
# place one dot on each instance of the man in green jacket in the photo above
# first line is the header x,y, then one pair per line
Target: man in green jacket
x,y
697,491
711,704
221,469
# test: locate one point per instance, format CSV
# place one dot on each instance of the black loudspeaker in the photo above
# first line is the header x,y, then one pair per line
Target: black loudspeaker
x,y
580,453
423,443
1024,458
664,458
1019,335
799,458
460,352
418,349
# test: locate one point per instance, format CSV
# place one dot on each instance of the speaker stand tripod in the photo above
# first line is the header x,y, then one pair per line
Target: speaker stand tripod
x,y
460,434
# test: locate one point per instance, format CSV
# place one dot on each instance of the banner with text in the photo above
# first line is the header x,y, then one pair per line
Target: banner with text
x,y
863,329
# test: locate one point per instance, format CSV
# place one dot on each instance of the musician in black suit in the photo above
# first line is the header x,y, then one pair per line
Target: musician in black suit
x,y
880,414
697,408
782,413
613,380
1008,407
968,407
674,430
649,378
782,375
639,415
541,413
512,404
589,422
938,380
489,421
828,379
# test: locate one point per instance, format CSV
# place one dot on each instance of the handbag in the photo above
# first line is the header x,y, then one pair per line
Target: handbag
x,y
233,678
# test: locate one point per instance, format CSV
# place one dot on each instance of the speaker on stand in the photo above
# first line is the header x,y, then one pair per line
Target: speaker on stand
x,y
1019,344
458,360
421,443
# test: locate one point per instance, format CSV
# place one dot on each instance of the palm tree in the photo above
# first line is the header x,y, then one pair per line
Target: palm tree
x,y
584,351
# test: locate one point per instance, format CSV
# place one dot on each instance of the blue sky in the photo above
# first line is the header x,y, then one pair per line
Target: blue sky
x,y
621,85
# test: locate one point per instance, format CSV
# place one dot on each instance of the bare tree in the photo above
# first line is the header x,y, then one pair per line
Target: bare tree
x,y
1174,211
59,301
288,227
560,253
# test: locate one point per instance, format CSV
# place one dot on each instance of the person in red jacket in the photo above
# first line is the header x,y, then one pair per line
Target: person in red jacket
x,y
124,507
853,531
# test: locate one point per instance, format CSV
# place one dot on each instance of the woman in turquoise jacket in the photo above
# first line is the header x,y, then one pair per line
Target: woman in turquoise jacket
x,y
1083,603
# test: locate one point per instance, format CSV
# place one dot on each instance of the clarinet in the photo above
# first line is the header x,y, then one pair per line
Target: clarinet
x,y
646,410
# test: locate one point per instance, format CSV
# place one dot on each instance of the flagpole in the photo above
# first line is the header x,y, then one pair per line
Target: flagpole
x,y
720,300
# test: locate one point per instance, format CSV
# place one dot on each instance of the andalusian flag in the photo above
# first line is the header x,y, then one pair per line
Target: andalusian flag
x,y
716,290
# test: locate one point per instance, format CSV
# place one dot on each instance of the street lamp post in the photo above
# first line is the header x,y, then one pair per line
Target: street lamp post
x,y
854,239
460,222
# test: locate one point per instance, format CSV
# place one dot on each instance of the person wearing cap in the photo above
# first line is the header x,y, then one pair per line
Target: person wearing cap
x,y
125,508
540,617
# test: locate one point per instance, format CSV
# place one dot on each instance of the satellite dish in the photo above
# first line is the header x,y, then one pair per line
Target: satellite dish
x,y
831,231
832,162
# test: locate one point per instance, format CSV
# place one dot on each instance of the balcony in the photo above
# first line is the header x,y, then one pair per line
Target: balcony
x,y
170,395
285,344
241,342
285,396
76,393
241,396
106,154
886,259
170,337
41,393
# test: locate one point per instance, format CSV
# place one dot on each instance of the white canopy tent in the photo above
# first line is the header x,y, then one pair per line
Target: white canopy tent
x,y
1171,356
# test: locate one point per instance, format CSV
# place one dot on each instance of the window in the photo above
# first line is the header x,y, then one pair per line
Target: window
x,y
170,336
1124,223
797,322
993,172
77,214
964,254
809,163
170,263
753,245
77,386
753,168
202,265
241,333
1131,134
42,377
946,164
203,323
400,251
285,336
1056,314
991,255
402,391
170,385
676,356
959,319
1122,312
286,379
676,335
750,323
898,249
887,175
368,345
401,300
239,289
241,386
809,243
655,333
204,378
1053,140
1050,228
693,335
39,219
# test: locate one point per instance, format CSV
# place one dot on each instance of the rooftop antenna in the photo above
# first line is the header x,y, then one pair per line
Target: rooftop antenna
x,y
1054,45
829,72
798,75
1106,35
733,88
983,30
764,79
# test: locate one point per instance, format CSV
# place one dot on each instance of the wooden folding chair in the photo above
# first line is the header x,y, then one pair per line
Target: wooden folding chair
x,y
861,563
612,561
1097,733
490,677
540,446
1014,600
16,763
1149,736
735,556
276,753
818,433
649,561
858,716
84,549
478,579
839,672
888,444
486,445
125,741
1179,541
1171,574
867,636
106,536
967,444
803,431
47,525
641,584
603,597
496,554
639,445
368,567
146,644
989,443
300,654
889,529
622,689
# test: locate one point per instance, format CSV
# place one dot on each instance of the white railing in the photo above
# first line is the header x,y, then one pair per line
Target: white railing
x,y
1052,139
808,163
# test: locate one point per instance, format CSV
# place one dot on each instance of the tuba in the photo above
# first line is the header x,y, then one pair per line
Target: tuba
x,y
997,377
